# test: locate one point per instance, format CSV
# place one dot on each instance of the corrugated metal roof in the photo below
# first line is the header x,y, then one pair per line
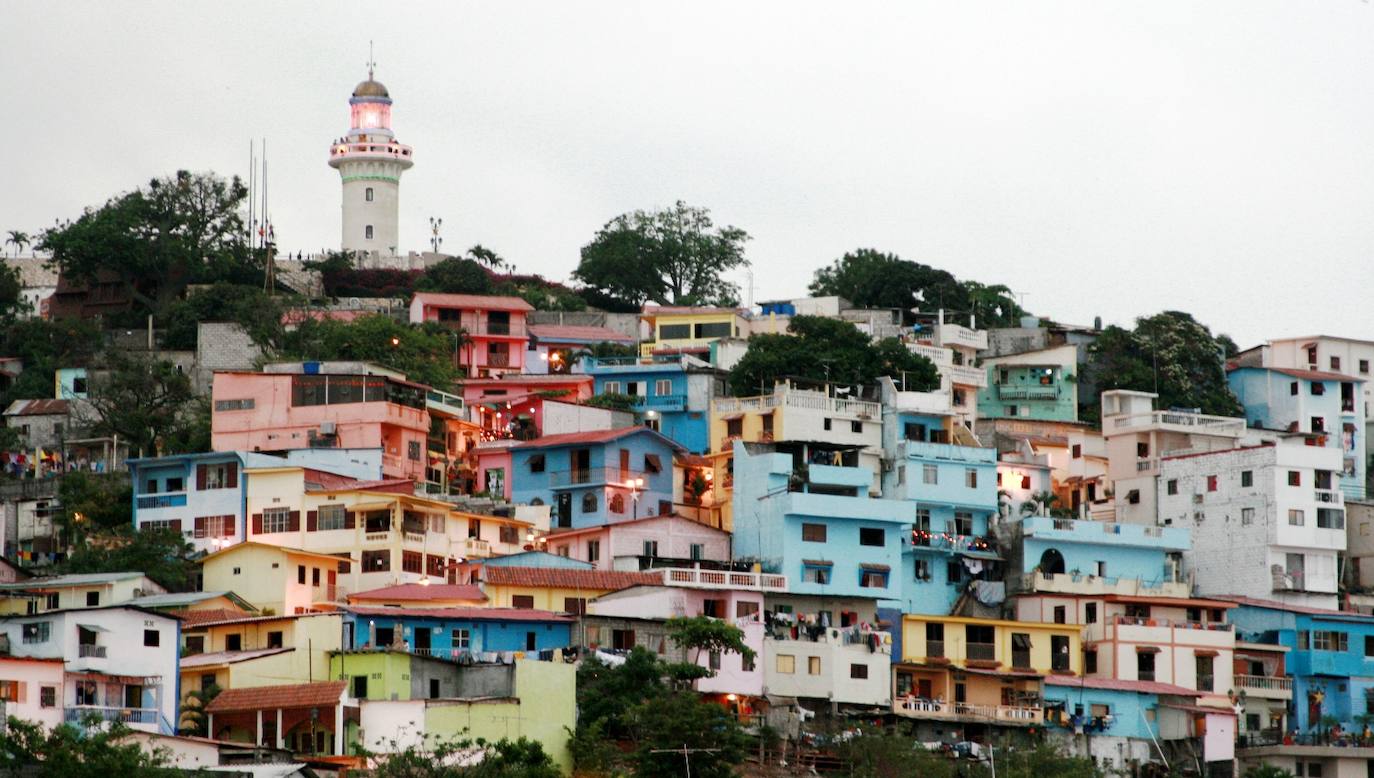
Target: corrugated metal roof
x,y
38,408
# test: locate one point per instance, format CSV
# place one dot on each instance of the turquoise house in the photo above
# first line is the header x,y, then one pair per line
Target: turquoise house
x,y
1040,385
1104,550
453,632
598,477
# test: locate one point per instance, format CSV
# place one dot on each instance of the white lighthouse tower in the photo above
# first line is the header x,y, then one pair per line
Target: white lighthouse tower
x,y
370,162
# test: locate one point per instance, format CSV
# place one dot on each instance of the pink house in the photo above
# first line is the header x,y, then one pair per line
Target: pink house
x,y
283,411
494,328
628,545
510,406
493,467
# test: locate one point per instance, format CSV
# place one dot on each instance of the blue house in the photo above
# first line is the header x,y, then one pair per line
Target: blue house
x,y
203,496
672,393
952,493
1111,552
1330,405
1330,658
453,632
1109,708
598,477
816,524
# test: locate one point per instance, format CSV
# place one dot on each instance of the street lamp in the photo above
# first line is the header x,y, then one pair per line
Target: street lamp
x,y
434,240
636,486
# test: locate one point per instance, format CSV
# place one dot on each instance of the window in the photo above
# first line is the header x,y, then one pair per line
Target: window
x,y
378,561
367,232
412,562
589,502
233,642
857,427
1294,478
360,687
1364,366
1369,645
971,478
1211,483
1145,666
1295,517
858,671
522,601
221,476
12,691
508,534
1318,388
1060,614
714,329
462,639
92,599
697,551
663,387
826,424
930,474
922,570
1328,640
367,194
331,517
1247,516
746,663
813,533
195,644
300,574
1247,478
651,548
86,693
954,573
786,664
1171,486
1205,678
872,578
816,574
563,550
276,520
1077,451
47,696
577,606
963,523
593,551
1090,613
616,503
152,638
869,536
1293,388
1142,450
1089,662
1330,518
1302,640
537,463
610,387
1133,497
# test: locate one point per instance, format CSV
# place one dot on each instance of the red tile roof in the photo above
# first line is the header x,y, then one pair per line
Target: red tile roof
x,y
567,578
1283,606
460,613
1113,684
420,593
210,616
530,378
595,436
37,408
473,301
300,695
571,332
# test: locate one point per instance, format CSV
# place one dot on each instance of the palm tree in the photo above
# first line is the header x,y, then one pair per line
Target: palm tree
x,y
193,711
20,239
1039,504
485,256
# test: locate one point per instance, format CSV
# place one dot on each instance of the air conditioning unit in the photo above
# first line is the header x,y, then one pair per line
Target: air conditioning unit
x,y
1197,499
327,428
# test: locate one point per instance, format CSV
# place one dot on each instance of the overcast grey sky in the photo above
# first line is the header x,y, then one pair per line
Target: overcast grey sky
x,y
1109,159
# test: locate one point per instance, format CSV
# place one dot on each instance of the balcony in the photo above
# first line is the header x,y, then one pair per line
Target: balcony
x,y
1105,532
965,375
1134,629
1269,686
949,452
917,707
76,714
1328,496
91,650
595,476
758,404
381,536
724,579
980,652
931,403
802,399
1065,583
942,357
476,547
176,500
958,335
329,593
342,150
1016,392
662,402
1197,423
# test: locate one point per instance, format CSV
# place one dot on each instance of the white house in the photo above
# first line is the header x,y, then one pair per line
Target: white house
x,y
1268,520
120,661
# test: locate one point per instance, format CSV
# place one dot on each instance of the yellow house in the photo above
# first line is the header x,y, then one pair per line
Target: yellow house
x,y
258,651
216,602
986,671
275,579
561,590
692,329
79,590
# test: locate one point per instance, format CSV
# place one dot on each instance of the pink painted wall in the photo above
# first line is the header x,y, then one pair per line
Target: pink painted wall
x,y
273,424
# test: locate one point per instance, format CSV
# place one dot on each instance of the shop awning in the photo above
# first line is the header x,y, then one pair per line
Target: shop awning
x,y
876,568
1147,649
93,627
817,563
1206,652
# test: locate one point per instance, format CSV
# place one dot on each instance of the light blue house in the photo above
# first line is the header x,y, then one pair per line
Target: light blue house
x,y
1327,404
71,383
598,477
454,632
673,393
952,493
537,559
1040,385
204,496
1331,658
1104,550
1109,708
816,524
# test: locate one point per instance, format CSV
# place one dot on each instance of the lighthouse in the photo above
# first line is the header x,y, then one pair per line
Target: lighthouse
x,y
370,163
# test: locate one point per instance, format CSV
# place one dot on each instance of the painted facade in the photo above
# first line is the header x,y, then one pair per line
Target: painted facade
x,y
632,545
452,633
494,333
672,393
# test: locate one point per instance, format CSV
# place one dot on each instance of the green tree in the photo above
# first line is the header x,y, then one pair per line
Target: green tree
x,y
437,758
11,294
93,750
425,353
870,278
162,555
703,633
1039,504
44,346
877,754
483,255
681,720
1041,761
613,401
144,401
456,275
102,501
607,694
674,256
157,240
823,349
19,239
1171,354
1267,771
194,720
257,312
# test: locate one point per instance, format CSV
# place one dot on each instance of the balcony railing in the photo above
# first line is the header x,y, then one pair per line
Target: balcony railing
x,y
922,708
1015,392
328,593
476,547
800,398
1196,422
613,476
91,650
966,375
1272,683
723,579
935,648
661,402
162,501
1329,496
981,651
377,537
75,714
342,149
